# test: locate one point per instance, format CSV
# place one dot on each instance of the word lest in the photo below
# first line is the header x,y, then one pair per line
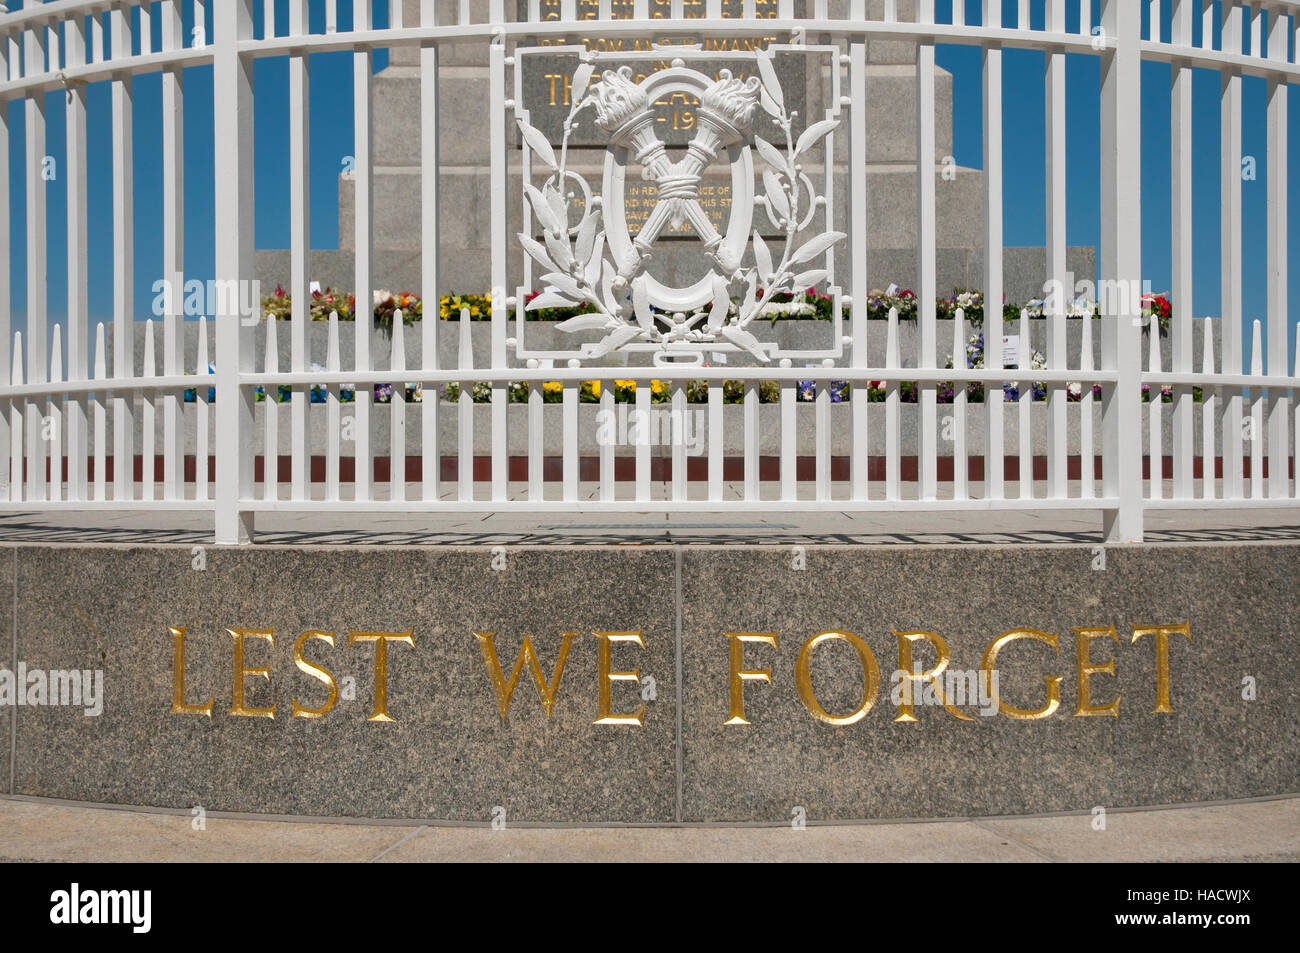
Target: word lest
x,y
321,674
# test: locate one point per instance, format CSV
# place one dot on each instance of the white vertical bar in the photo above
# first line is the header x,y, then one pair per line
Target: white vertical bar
x,y
822,445
891,408
395,14
716,446
1279,318
331,16
569,434
960,464
299,252
1230,254
1022,15
993,417
1181,254
926,240
751,441
1024,410
429,225
465,424
78,280
173,182
146,27
1087,454
37,274
1155,415
363,103
678,418
536,442
397,410
201,413
860,462
1121,263
500,250
607,411
643,442
1156,23
1256,412
52,425
1209,416
1057,423
16,425
233,135
789,444
271,415
100,493
149,421
8,70
333,413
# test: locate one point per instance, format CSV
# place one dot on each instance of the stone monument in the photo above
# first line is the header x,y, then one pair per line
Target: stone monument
x,y
465,259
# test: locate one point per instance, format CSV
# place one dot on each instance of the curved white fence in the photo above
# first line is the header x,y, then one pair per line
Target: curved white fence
x,y
1231,447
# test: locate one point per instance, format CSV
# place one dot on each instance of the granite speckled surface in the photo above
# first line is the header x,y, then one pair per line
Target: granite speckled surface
x,y
7,660
1241,603
447,755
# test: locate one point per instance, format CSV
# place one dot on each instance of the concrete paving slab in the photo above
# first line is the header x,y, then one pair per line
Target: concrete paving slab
x,y
1265,830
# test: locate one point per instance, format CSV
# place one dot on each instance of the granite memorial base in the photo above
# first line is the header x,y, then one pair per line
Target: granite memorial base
x,y
651,685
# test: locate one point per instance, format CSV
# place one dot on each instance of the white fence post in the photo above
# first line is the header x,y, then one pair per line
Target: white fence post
x,y
233,165
1121,266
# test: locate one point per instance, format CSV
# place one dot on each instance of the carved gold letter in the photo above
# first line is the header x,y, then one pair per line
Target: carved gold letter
x,y
241,672
803,678
315,671
506,690
178,677
1162,633
990,662
381,640
1087,670
604,715
905,641
740,676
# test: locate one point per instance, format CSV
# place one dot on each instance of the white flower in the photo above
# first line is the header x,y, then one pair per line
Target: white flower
x,y
381,296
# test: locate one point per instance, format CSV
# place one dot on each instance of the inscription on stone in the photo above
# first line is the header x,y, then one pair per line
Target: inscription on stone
x,y
547,78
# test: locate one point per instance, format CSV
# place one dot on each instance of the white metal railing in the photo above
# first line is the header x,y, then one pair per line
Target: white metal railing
x,y
53,431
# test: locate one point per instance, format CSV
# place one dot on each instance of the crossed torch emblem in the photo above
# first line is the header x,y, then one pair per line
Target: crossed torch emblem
x,y
725,117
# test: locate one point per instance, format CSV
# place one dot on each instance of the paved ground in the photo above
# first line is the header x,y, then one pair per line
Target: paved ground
x,y
1238,831
836,527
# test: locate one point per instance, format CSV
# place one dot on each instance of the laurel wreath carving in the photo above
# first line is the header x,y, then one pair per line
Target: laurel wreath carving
x,y
578,268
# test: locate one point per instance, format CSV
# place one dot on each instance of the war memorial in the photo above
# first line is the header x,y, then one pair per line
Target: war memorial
x,y
666,484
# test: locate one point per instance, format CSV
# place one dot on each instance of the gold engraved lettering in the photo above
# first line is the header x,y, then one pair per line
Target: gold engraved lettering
x,y
803,678
381,640
242,672
178,677
505,690
1087,669
906,710
1162,633
317,672
740,675
990,662
604,715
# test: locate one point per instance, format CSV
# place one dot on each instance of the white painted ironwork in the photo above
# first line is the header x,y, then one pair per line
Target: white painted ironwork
x,y
89,430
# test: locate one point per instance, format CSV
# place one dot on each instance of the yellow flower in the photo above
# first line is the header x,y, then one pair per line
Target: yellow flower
x,y
657,387
625,385
552,387
595,388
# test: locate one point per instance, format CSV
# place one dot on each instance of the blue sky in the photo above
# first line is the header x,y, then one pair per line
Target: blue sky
x,y
332,141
